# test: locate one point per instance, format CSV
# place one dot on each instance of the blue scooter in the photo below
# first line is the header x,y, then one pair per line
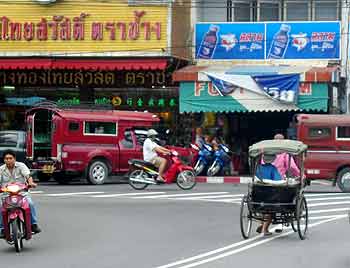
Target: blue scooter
x,y
221,160
204,160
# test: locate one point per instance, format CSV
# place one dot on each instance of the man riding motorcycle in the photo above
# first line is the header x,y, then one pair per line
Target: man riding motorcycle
x,y
13,171
150,150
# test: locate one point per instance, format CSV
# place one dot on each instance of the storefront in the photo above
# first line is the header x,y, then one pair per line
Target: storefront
x,y
95,55
247,87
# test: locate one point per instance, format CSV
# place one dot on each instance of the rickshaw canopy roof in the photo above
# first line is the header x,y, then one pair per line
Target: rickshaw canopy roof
x,y
277,146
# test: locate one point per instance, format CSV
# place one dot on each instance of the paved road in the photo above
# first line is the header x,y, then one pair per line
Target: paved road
x,y
164,227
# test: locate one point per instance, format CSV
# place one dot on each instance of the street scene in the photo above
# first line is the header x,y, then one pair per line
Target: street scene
x,y
174,133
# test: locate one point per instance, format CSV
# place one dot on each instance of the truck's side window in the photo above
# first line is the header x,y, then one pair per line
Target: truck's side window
x,y
73,126
127,141
343,132
100,128
319,132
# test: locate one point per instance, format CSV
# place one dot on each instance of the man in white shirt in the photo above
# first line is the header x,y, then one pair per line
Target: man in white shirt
x,y
150,150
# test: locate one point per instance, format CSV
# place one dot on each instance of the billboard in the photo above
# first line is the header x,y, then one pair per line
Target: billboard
x,y
270,40
70,27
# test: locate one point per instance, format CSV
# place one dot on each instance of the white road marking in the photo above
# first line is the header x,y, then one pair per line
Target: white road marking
x,y
325,194
327,198
72,194
235,251
36,192
328,204
328,210
327,183
178,195
327,217
207,197
126,195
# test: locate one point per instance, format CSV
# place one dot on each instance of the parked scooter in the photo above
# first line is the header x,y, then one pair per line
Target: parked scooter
x,y
222,159
205,158
16,215
143,173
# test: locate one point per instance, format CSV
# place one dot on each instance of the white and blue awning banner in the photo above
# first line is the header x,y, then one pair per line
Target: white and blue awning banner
x,y
282,87
279,87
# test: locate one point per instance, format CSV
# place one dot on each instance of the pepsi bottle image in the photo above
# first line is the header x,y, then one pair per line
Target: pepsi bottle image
x,y
209,43
279,43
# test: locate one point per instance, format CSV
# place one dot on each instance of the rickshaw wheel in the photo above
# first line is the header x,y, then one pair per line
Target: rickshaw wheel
x,y
302,217
245,218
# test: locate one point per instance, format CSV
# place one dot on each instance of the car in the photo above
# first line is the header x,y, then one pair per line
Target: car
x,y
14,140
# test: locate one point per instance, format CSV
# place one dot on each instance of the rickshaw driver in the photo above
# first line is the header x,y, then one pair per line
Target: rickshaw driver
x,y
268,171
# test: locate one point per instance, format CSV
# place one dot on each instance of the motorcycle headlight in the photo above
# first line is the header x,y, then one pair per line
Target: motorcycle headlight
x,y
13,188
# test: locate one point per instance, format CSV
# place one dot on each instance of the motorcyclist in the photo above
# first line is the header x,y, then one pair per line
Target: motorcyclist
x,y
13,171
150,150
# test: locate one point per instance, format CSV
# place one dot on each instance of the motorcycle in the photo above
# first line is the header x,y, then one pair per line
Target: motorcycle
x,y
221,160
16,215
143,173
204,160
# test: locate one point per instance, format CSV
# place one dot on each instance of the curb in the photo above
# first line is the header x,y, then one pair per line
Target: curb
x,y
226,179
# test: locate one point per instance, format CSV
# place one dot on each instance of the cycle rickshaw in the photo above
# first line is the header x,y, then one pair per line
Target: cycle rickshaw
x,y
282,201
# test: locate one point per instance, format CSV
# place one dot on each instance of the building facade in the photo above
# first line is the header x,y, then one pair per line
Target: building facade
x,y
239,44
118,54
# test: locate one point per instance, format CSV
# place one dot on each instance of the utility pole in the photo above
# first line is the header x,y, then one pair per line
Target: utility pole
x,y
345,68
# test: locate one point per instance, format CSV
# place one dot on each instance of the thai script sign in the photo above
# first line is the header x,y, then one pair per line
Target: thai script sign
x,y
66,78
67,27
271,40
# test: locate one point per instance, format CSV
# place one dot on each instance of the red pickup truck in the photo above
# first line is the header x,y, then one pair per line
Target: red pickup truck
x,y
64,143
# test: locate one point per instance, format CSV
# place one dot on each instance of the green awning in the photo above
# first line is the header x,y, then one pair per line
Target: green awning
x,y
199,97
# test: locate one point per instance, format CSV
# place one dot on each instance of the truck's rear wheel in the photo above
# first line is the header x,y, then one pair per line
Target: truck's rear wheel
x,y
98,172
343,180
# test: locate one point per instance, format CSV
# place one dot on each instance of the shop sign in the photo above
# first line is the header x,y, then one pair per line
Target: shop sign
x,y
66,78
95,28
270,40
131,102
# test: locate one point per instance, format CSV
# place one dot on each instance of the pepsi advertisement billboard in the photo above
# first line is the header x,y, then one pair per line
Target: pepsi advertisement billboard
x,y
260,41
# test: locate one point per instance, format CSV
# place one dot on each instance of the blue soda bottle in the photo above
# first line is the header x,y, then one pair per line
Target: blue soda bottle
x,y
209,43
279,43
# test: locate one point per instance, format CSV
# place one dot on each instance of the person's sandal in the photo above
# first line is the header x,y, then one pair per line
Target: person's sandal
x,y
267,233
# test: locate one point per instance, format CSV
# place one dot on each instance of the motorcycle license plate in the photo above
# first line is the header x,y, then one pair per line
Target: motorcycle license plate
x,y
48,169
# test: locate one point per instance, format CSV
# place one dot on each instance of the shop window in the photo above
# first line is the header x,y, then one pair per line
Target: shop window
x,y
100,128
326,10
8,139
73,126
319,132
268,11
243,11
297,10
343,132
127,141
211,11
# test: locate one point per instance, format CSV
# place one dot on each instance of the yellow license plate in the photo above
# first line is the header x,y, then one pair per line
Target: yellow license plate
x,y
48,169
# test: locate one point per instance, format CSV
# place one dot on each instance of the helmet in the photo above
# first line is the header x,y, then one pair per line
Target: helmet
x,y
151,133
